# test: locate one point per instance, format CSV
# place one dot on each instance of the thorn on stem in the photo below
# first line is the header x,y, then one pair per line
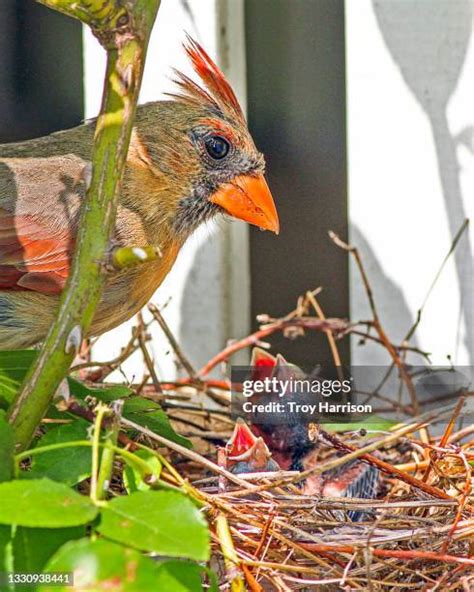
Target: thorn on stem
x,y
86,175
62,396
74,340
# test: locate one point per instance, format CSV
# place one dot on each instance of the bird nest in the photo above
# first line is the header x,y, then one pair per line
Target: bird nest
x,y
267,534
418,532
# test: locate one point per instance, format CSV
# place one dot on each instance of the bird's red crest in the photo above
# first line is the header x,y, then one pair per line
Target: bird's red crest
x,y
216,91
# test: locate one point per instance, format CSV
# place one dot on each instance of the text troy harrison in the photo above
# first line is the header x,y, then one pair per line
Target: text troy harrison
x,y
295,407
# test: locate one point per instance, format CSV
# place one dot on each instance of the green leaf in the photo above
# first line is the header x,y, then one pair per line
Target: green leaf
x,y
106,394
7,449
5,548
43,503
103,565
178,576
374,423
32,547
13,367
164,522
150,415
68,465
133,479
15,364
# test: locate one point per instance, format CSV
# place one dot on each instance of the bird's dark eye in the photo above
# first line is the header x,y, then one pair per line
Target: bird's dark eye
x,y
217,147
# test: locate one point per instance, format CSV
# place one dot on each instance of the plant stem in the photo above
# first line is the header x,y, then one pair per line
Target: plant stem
x,y
231,558
107,459
123,29
101,411
127,456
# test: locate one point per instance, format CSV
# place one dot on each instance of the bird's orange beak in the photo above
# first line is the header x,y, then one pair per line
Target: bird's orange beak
x,y
248,198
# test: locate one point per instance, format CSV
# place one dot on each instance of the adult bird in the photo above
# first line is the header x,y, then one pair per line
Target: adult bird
x,y
190,158
290,445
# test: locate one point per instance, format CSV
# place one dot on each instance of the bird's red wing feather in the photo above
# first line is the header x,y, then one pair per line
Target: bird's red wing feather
x,y
30,258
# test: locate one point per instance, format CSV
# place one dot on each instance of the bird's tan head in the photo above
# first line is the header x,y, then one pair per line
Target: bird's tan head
x,y
205,150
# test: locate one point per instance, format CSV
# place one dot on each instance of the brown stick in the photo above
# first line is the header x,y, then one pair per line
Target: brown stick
x,y
188,453
222,385
185,363
336,325
447,433
103,369
399,347
402,554
376,320
462,504
331,340
140,333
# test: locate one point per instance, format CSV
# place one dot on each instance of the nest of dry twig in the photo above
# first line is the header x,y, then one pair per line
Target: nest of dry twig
x,y
268,535
419,534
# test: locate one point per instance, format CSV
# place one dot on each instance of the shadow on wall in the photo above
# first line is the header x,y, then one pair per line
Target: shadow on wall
x,y
202,318
386,291
428,42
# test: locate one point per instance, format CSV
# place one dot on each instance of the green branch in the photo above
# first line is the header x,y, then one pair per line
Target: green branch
x,y
102,17
104,475
124,29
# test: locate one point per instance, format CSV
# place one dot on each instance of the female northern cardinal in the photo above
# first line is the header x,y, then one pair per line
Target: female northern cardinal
x,y
189,159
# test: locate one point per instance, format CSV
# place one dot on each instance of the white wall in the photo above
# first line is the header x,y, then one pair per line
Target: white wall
x,y
208,289
410,67
411,175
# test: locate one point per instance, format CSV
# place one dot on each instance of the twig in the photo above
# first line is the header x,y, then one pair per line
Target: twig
x,y
139,330
376,320
280,325
106,368
332,342
185,363
231,559
398,554
452,248
124,30
187,453
193,380
447,433
399,347
101,411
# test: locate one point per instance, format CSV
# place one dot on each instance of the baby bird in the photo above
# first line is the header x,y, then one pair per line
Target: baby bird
x,y
290,445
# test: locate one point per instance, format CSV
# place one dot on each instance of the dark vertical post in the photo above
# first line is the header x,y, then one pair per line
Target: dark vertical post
x,y
39,93
297,111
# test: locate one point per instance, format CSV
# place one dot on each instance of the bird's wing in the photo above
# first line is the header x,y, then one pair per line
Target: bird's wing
x,y
31,256
353,479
